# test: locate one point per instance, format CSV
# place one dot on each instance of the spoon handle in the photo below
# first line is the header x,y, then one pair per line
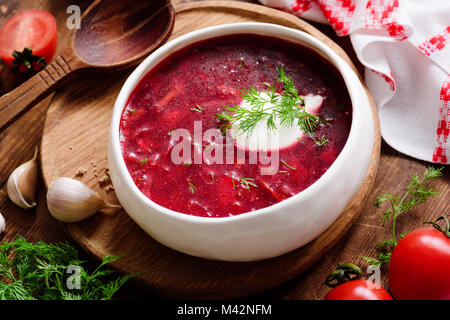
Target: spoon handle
x,y
34,89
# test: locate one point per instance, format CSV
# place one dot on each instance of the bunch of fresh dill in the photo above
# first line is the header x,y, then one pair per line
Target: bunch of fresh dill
x,y
44,271
288,107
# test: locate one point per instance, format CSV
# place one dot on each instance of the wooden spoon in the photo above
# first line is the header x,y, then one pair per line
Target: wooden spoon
x,y
113,35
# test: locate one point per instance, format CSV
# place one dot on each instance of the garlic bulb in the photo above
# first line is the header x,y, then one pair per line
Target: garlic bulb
x,y
2,224
22,184
70,200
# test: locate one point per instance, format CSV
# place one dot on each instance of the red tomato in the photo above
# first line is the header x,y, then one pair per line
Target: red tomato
x,y
358,290
35,29
420,266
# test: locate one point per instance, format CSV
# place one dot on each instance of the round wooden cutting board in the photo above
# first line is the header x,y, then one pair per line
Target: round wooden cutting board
x,y
74,144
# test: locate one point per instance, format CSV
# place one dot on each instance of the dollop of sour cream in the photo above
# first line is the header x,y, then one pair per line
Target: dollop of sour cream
x,y
262,138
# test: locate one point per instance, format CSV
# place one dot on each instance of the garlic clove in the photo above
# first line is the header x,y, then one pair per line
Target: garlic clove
x,y
70,200
22,184
2,224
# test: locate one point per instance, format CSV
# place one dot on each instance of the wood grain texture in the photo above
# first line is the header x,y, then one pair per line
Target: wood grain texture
x,y
112,35
122,32
14,103
18,141
75,140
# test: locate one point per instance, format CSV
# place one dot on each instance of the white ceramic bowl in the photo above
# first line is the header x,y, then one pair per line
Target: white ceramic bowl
x,y
270,231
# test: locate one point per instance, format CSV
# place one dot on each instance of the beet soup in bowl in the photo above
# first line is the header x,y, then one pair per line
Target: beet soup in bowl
x,y
233,211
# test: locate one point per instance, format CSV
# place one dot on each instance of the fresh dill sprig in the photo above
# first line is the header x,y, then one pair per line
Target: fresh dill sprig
x,y
192,187
416,192
288,107
290,167
322,141
384,249
382,259
144,161
40,271
197,108
247,183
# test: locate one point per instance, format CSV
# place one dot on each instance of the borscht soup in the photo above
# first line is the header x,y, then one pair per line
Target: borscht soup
x,y
234,124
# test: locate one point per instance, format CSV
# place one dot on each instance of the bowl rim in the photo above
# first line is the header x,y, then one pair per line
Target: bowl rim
x,y
289,34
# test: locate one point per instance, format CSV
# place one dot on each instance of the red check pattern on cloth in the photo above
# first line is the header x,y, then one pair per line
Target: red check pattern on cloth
x,y
300,6
406,44
339,14
389,79
436,43
383,14
443,129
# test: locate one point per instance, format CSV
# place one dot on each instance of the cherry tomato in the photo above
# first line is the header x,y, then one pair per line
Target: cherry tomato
x,y
358,290
419,268
35,29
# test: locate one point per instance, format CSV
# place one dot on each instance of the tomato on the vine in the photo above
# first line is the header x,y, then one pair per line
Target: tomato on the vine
x,y
358,290
420,266
28,37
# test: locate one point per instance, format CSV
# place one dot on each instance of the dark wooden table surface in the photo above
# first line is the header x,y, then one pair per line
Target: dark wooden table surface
x,y
18,140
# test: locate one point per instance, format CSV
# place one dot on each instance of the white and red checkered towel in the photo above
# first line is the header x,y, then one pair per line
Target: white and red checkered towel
x,y
405,47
